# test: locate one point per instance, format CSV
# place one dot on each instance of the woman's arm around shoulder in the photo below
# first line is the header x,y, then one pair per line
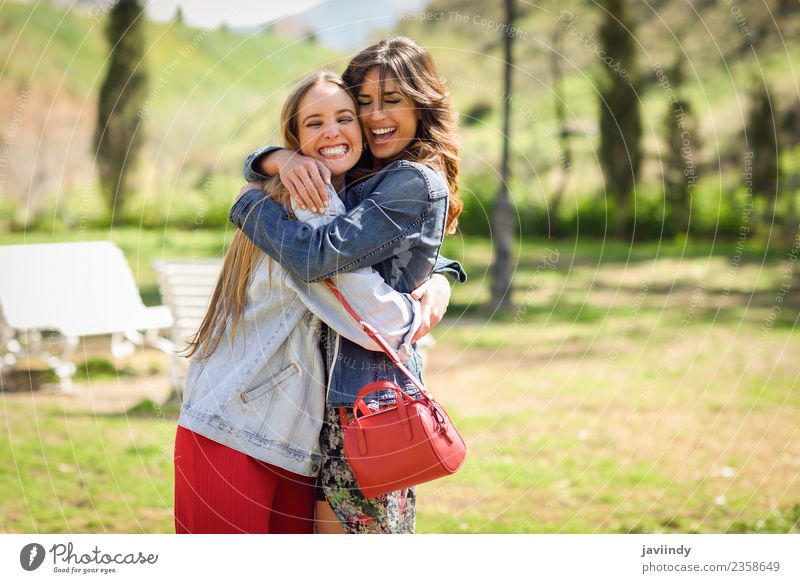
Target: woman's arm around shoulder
x,y
363,236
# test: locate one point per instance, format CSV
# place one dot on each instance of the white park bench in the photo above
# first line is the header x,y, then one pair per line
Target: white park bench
x,y
186,286
77,290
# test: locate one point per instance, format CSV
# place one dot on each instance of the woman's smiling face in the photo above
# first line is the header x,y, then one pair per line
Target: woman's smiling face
x,y
327,128
390,124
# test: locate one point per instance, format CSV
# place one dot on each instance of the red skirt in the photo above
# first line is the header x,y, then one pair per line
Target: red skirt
x,y
221,490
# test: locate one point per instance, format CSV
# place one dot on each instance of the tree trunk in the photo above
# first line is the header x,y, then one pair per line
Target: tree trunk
x,y
565,156
503,211
620,123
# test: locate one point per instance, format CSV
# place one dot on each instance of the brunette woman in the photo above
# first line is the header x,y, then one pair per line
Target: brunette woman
x,y
401,200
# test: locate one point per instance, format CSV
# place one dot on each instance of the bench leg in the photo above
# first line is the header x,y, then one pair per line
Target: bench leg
x,y
121,346
34,347
10,344
62,364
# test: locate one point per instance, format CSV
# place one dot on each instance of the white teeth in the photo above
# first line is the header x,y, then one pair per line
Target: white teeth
x,y
334,151
381,131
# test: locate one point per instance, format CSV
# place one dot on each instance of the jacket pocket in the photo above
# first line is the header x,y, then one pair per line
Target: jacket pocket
x,y
258,391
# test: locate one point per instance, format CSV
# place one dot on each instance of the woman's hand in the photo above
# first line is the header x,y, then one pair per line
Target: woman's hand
x,y
304,177
434,296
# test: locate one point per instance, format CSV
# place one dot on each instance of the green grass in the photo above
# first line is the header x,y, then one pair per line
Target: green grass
x,y
72,472
598,408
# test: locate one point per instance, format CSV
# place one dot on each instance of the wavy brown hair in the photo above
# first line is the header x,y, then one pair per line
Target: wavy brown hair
x,y
413,70
230,293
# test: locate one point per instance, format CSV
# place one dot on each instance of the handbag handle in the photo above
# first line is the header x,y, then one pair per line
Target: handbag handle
x,y
401,401
379,340
360,405
379,385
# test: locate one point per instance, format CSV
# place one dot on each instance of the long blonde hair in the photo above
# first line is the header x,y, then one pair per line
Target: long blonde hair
x,y
230,293
412,68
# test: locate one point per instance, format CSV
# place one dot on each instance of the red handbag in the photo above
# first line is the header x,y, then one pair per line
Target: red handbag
x,y
408,443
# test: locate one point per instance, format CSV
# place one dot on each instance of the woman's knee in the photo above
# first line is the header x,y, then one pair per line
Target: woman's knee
x,y
326,521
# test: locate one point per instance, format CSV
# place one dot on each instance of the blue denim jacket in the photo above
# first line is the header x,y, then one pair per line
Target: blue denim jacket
x,y
444,266
395,223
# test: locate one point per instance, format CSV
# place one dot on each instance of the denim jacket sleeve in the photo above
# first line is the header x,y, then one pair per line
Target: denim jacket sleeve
x,y
451,267
395,316
251,166
364,236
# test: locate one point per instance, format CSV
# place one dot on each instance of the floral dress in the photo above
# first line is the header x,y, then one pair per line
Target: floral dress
x,y
392,513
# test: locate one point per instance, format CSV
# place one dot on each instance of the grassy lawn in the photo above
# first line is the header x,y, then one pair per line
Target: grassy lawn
x,y
82,472
651,388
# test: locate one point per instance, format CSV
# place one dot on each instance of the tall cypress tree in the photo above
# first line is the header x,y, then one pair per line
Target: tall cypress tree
x,y
620,123
118,135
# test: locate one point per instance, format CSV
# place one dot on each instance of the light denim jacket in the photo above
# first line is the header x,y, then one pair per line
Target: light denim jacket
x,y
395,222
262,391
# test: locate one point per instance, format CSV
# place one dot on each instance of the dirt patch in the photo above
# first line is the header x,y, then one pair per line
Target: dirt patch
x,y
98,397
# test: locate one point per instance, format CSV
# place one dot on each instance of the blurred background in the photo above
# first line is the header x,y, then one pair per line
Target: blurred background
x,y
621,358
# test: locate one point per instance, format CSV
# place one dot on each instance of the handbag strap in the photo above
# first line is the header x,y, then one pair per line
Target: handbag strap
x,y
378,339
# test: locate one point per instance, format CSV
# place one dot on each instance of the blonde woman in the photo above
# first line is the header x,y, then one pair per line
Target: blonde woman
x,y
247,446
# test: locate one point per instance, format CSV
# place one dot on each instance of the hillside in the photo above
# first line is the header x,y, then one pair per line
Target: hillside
x,y
214,95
